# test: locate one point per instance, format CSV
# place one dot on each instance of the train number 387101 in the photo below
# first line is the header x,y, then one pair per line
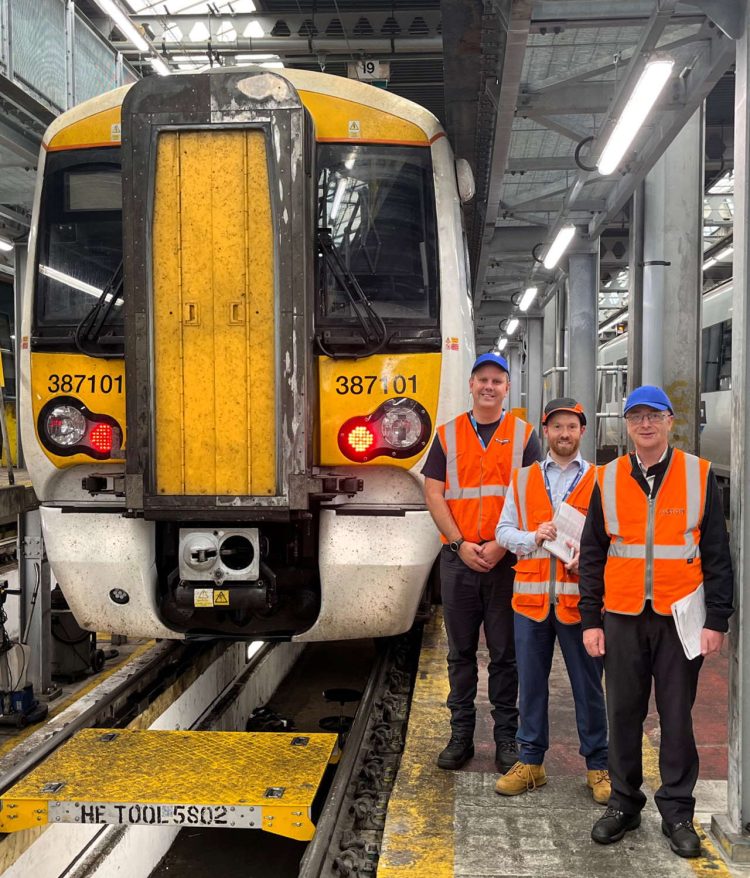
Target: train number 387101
x,y
85,383
369,384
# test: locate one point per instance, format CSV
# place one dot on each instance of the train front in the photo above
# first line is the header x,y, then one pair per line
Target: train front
x,y
232,360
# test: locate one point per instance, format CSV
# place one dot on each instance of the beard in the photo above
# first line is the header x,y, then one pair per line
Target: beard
x,y
564,448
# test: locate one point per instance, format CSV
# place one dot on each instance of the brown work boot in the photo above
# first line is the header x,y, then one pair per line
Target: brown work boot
x,y
597,780
521,778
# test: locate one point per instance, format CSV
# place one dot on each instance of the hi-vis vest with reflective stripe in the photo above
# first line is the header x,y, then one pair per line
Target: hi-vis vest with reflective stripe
x,y
540,577
654,552
477,479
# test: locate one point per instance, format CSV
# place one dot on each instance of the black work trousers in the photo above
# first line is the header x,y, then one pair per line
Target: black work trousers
x,y
470,600
638,648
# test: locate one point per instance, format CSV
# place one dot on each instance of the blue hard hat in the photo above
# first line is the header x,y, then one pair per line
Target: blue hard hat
x,y
653,397
491,357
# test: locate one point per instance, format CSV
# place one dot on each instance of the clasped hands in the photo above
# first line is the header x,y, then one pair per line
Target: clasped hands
x,y
481,557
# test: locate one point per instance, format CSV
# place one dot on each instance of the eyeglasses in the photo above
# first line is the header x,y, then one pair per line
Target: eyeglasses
x,y
646,418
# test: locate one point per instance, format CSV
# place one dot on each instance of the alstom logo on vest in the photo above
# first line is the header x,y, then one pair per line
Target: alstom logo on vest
x,y
673,511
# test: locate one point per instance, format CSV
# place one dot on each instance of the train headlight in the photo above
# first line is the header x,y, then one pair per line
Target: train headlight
x,y
400,427
65,425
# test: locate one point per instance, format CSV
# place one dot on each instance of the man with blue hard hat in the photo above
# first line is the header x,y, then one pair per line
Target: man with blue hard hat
x,y
655,532
467,473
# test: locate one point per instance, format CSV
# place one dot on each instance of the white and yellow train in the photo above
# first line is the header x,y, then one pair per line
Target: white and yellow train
x,y
247,308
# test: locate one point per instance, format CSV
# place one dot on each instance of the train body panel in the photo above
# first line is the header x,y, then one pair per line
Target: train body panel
x,y
716,396
347,549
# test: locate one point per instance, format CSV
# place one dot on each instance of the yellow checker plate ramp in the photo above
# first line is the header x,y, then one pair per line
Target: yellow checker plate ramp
x,y
252,780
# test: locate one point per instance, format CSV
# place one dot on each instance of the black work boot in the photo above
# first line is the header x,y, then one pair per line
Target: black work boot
x,y
459,750
613,826
506,755
683,839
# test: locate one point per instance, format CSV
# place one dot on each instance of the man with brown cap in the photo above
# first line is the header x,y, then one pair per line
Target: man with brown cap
x,y
545,601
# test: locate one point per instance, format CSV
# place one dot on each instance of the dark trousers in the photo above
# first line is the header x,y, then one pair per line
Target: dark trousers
x,y
471,600
535,646
638,648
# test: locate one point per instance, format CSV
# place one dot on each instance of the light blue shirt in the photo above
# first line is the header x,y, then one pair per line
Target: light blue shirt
x,y
558,481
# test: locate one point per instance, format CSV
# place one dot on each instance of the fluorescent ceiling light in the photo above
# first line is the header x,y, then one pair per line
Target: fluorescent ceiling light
x,y
502,344
6,245
159,66
559,246
124,24
252,59
338,195
652,80
253,648
725,253
709,263
527,298
512,325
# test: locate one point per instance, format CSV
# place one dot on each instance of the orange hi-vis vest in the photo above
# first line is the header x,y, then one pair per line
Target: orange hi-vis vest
x,y
541,579
654,553
477,478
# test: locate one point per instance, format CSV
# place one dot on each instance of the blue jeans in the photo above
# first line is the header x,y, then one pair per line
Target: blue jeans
x,y
535,645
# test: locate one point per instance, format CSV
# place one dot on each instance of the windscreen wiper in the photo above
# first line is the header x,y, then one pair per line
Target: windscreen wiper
x,y
89,330
372,327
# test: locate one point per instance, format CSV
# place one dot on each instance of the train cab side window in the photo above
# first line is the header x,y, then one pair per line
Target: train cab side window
x,y
378,202
80,239
717,357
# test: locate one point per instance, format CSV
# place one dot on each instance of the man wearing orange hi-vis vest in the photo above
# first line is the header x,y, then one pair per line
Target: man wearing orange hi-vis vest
x,y
466,478
654,534
545,601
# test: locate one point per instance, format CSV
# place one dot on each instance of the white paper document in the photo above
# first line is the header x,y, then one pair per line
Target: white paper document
x,y
690,618
569,523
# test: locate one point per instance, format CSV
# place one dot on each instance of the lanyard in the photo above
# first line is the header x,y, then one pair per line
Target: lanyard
x,y
476,428
572,485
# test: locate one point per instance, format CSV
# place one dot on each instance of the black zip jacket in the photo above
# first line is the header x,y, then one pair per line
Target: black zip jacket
x,y
718,582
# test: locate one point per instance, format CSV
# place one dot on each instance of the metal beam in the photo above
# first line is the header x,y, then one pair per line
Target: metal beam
x,y
510,79
8,213
26,148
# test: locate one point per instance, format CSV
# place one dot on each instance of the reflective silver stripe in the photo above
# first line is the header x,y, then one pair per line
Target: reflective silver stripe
x,y
660,553
477,493
609,497
693,493
529,587
522,483
519,433
452,489
567,588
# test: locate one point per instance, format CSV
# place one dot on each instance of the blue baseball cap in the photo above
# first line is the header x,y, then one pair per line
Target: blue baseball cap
x,y
653,397
493,358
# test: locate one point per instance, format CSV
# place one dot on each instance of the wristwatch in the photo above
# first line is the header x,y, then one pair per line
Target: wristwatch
x,y
456,545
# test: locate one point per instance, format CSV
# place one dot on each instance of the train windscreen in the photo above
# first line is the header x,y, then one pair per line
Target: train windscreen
x,y
80,240
378,202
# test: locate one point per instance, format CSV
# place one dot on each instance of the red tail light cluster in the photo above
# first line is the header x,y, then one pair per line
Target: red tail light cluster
x,y
398,428
66,427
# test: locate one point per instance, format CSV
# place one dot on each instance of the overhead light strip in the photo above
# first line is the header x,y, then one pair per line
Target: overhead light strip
x,y
131,32
646,92
559,246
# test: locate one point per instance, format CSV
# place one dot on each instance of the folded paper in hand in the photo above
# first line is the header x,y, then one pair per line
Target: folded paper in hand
x,y
690,618
569,523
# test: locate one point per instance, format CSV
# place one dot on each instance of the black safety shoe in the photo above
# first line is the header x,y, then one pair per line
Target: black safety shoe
x,y
613,826
458,751
506,755
683,839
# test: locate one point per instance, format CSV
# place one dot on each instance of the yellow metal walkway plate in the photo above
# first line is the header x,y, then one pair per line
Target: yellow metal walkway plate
x,y
253,780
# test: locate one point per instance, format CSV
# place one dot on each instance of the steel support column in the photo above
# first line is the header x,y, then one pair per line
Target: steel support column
x,y
534,371
731,827
513,355
583,325
635,290
672,281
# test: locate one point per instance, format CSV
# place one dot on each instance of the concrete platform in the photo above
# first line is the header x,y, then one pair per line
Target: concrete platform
x,y
443,823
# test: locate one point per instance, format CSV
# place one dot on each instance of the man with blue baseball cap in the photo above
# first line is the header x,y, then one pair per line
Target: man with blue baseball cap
x,y
467,473
655,532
